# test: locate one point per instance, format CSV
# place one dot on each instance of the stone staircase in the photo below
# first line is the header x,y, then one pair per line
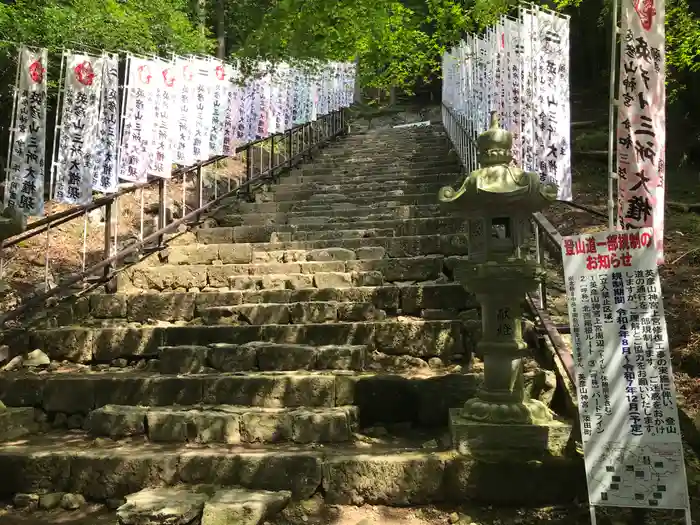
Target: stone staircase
x,y
310,342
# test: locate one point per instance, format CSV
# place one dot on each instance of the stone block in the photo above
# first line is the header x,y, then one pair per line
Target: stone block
x,y
477,438
321,426
266,426
243,507
276,391
371,253
332,280
436,297
215,235
372,278
117,422
236,253
387,479
161,306
358,312
403,269
331,254
22,391
152,506
108,306
313,312
193,254
340,357
170,277
284,357
321,266
243,282
419,338
232,358
70,395
205,300
70,343
113,343
148,391
17,422
182,359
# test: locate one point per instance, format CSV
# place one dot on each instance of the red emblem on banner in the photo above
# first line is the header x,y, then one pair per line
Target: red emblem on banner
x,y
36,71
220,74
646,11
168,78
186,73
145,74
84,73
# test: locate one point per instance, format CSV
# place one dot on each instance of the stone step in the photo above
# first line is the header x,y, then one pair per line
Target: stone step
x,y
230,424
292,313
395,247
312,228
201,505
378,200
377,167
194,278
402,336
299,179
262,234
370,171
383,154
307,274
233,216
63,399
335,193
186,306
387,471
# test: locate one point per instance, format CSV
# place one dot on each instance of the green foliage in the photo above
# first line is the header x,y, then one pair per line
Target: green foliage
x,y
143,26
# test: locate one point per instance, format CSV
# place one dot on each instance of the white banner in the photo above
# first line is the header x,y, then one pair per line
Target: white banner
x,y
184,118
78,132
220,100
164,102
106,155
203,108
25,190
233,111
641,119
632,444
552,113
136,144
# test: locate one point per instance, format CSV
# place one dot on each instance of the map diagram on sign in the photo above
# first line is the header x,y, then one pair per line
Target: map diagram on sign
x,y
638,475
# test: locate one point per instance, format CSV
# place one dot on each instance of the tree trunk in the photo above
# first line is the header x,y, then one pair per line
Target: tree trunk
x,y
392,96
357,92
221,29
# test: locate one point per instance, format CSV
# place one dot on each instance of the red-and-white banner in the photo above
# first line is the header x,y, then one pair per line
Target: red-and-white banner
x,y
641,120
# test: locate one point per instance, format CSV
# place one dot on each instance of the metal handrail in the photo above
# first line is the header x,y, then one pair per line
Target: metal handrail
x,y
334,123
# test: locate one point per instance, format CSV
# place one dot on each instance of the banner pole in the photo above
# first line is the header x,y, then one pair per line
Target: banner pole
x,y
613,219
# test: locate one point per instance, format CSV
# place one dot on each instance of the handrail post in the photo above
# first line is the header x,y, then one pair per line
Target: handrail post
x,y
248,171
162,217
289,149
199,189
111,284
271,164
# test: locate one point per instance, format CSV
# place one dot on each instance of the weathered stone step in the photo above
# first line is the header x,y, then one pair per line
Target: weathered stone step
x,y
201,505
441,165
400,227
390,472
230,424
292,313
319,274
63,400
265,276
384,155
297,178
339,212
312,229
379,200
331,193
405,336
414,246
185,306
369,171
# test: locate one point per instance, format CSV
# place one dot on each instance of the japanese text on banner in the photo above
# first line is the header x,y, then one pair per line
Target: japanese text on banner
x,y
627,402
164,99
136,147
641,120
78,142
105,174
28,141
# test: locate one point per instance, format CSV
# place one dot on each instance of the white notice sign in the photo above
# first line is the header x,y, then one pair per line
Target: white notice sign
x,y
627,400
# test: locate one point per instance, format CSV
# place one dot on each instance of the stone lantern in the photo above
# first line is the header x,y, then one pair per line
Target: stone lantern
x,y
498,200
